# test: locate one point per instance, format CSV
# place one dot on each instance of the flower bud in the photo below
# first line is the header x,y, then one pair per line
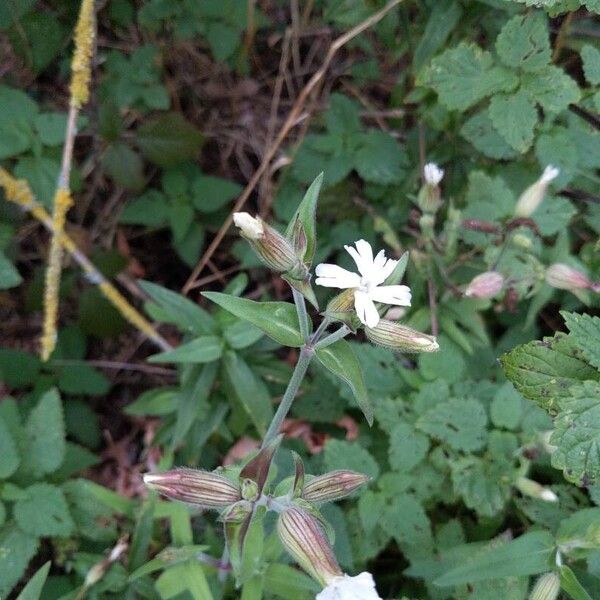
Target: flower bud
x,y
273,249
249,490
398,337
429,200
236,513
361,587
547,587
203,488
531,488
333,486
485,285
522,242
302,536
532,197
564,277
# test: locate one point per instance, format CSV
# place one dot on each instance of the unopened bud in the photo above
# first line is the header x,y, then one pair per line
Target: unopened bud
x,y
531,488
203,488
547,587
485,285
273,249
398,337
564,277
236,513
302,536
249,490
521,241
333,486
532,197
429,199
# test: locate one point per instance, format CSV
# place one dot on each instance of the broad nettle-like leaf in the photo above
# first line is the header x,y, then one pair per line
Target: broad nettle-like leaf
x,y
577,434
278,320
585,332
524,42
514,116
544,371
18,548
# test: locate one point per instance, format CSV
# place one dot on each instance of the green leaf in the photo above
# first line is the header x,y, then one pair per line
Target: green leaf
x,y
577,434
570,584
552,88
480,132
406,520
524,42
278,320
460,423
545,371
340,454
45,435
17,550
407,447
306,214
33,589
168,139
177,309
204,349
223,40
82,379
124,165
507,407
515,117
554,214
464,75
181,580
288,582
51,128
527,555
209,193
380,158
250,391
44,512
9,455
9,276
585,332
149,209
341,360
591,64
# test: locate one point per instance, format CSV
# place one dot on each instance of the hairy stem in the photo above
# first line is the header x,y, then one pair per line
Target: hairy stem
x,y
341,333
302,314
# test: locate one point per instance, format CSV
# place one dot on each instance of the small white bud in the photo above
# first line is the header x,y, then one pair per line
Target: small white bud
x,y
251,227
433,174
534,489
532,197
485,285
564,277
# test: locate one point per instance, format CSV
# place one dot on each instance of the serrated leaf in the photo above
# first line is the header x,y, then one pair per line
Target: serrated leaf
x,y
380,158
278,320
527,555
524,42
17,548
306,214
480,132
464,75
406,520
507,407
553,215
577,435
514,117
585,332
9,455
44,512
591,64
33,589
340,454
124,165
407,447
45,435
204,349
460,423
340,359
551,87
545,371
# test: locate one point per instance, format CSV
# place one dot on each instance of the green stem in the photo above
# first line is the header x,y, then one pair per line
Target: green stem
x,y
302,314
341,333
304,359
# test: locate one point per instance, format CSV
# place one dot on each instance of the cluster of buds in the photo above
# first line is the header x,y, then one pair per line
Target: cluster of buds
x,y
564,277
485,285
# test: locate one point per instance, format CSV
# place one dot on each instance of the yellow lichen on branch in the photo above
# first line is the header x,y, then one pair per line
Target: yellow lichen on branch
x,y
62,203
81,68
18,192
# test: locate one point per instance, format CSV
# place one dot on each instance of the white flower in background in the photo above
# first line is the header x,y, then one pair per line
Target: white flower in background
x,y
367,286
433,174
532,197
361,587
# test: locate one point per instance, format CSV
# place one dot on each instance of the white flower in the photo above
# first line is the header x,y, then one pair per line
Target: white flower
x,y
367,286
251,227
433,174
361,587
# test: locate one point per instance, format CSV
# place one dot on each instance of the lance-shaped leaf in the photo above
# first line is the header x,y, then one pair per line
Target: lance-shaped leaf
x,y
341,360
204,349
302,229
570,584
277,319
257,469
399,270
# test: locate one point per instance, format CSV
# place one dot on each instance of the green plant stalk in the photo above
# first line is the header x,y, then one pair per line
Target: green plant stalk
x,y
302,314
341,333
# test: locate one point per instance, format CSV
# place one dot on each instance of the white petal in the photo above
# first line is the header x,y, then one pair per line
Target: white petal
x,y
334,276
380,260
391,294
384,272
363,257
361,587
550,173
433,174
365,309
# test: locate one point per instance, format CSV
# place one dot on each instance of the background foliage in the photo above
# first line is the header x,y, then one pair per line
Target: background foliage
x,y
187,97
